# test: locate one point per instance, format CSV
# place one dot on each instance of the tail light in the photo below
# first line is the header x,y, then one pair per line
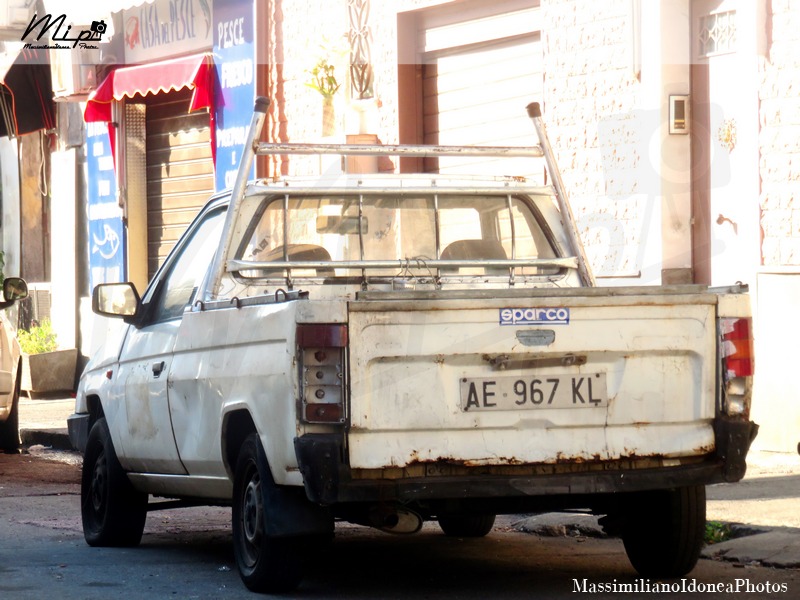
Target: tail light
x,y
321,349
736,353
737,347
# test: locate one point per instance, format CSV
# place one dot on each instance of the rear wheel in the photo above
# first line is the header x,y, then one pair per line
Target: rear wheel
x,y
266,564
664,529
113,512
467,526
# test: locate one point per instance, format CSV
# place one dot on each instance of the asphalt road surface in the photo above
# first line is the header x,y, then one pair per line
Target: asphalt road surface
x,y
187,553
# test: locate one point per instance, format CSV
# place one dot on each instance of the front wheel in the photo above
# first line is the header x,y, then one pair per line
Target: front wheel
x,y
467,526
266,564
113,512
664,530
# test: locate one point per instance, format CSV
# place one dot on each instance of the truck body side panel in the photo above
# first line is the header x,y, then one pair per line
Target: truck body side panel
x,y
229,358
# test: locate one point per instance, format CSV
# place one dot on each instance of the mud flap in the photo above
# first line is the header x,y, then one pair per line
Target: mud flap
x,y
733,439
319,457
287,510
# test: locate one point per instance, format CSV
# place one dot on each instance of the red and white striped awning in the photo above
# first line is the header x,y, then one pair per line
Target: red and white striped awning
x,y
194,72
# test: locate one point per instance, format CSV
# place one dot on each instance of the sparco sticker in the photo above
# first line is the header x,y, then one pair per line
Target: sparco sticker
x,y
534,316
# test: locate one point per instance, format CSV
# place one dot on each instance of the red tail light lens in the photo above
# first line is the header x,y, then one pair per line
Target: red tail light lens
x,y
321,349
736,347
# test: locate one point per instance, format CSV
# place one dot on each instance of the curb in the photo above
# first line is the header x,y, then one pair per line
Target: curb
x,y
57,439
777,548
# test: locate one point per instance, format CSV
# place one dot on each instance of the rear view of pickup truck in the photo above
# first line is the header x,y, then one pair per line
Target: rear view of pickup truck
x,y
389,350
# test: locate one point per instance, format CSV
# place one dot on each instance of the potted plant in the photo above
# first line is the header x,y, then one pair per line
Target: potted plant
x,y
45,367
323,80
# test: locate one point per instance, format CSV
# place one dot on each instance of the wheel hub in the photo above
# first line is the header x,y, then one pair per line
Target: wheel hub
x,y
99,482
251,511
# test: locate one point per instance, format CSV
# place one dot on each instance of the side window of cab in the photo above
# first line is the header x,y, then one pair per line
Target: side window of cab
x,y
187,269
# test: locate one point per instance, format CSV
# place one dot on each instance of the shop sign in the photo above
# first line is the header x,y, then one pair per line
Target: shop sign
x,y
234,59
106,232
164,28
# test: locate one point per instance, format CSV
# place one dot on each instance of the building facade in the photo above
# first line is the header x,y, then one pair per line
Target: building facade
x,y
674,123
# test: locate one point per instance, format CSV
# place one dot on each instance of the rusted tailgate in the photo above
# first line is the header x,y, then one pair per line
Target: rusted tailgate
x,y
456,380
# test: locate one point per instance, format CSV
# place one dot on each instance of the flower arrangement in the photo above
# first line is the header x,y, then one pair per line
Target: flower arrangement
x,y
323,78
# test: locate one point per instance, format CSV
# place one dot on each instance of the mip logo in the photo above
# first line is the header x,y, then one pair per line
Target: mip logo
x,y
534,316
39,26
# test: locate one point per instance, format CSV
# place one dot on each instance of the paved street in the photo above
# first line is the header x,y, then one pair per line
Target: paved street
x,y
187,554
768,496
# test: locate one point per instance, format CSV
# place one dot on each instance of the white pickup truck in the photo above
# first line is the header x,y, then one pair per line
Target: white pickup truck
x,y
393,349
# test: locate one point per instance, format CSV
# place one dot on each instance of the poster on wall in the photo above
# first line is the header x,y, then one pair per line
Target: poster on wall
x,y
106,231
234,59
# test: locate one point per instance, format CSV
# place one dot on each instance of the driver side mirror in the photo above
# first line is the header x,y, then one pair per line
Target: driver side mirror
x,y
14,288
115,300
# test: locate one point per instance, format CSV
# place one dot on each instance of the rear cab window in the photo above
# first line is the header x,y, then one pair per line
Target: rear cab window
x,y
375,238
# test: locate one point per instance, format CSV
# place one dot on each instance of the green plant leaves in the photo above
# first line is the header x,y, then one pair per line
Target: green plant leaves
x,y
41,338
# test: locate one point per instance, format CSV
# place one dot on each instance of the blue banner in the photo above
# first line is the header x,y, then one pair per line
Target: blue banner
x,y
106,231
234,60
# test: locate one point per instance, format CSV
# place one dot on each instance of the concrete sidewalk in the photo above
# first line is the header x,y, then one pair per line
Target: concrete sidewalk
x,y
761,510
44,421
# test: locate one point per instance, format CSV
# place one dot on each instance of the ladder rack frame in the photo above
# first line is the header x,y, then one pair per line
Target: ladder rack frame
x,y
255,148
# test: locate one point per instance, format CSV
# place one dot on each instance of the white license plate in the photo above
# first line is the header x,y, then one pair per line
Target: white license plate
x,y
532,392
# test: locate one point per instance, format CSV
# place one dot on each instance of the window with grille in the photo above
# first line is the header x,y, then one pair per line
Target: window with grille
x,y
717,34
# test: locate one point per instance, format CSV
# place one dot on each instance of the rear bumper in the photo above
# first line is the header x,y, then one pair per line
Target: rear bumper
x,y
328,479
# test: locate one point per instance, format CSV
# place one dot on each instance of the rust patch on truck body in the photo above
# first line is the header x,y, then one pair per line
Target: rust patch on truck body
x,y
442,467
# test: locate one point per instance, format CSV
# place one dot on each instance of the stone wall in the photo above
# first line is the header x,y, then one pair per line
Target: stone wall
x,y
779,138
591,94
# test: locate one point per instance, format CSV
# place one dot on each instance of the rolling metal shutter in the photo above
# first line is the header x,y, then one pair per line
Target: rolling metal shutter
x,y
180,171
475,92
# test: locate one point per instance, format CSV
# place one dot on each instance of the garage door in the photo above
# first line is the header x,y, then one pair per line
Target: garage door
x,y
476,93
180,171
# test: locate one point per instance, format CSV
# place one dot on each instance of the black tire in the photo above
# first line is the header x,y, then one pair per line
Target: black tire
x,y
9,429
664,530
113,512
266,564
467,526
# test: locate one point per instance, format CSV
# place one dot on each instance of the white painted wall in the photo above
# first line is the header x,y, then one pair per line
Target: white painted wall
x,y
672,78
63,260
9,172
777,293
775,407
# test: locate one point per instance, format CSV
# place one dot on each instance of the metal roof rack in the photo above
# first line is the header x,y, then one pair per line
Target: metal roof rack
x,y
254,147
401,150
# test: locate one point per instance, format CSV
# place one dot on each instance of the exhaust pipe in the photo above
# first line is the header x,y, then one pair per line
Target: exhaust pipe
x,y
395,520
